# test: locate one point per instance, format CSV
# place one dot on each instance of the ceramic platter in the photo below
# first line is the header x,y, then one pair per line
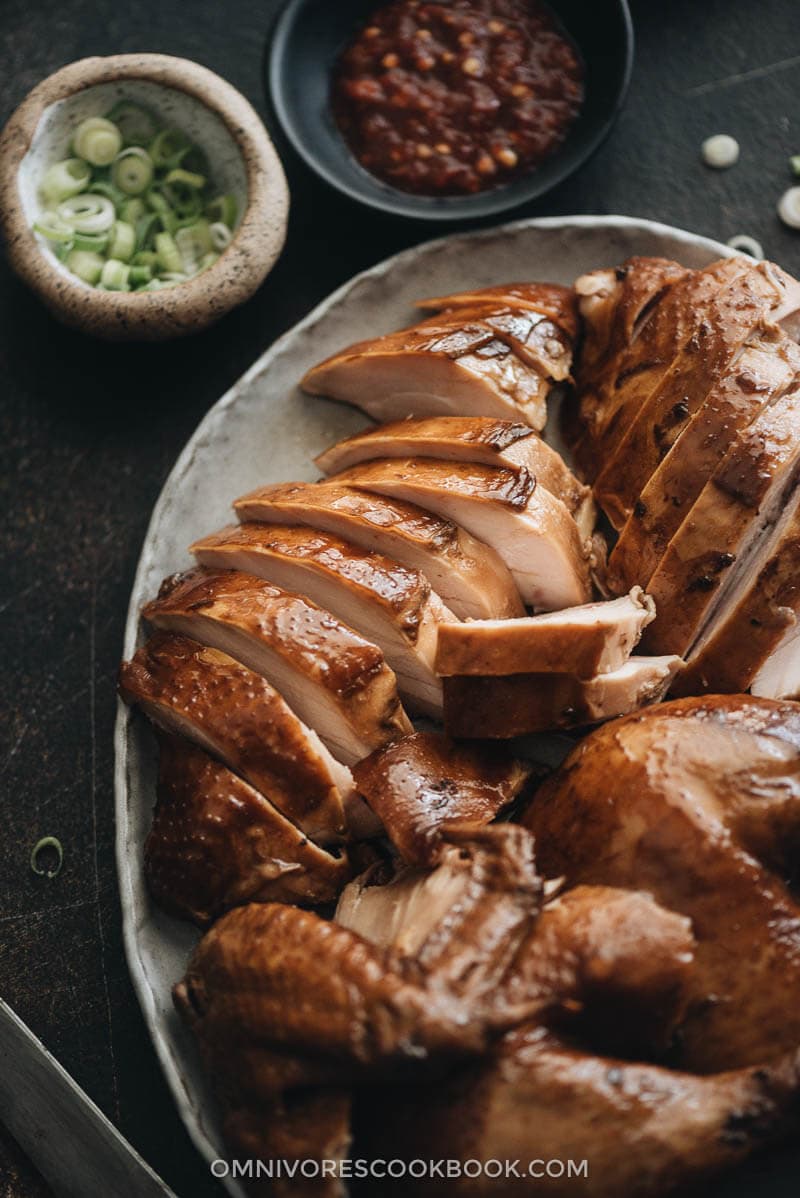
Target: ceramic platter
x,y
265,430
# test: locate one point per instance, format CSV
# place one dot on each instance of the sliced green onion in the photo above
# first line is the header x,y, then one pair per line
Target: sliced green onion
x,y
187,179
132,171
62,249
166,145
86,265
184,200
136,123
146,229
115,275
51,226
123,241
145,258
169,258
141,274
221,236
174,276
223,210
208,260
193,242
102,187
97,140
96,243
87,213
65,179
794,163
132,210
47,842
159,204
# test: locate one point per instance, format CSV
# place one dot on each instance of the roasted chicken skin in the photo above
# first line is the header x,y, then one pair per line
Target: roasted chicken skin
x,y
551,299
697,802
216,843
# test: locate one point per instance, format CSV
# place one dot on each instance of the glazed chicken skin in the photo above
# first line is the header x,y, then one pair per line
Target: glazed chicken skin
x,y
697,801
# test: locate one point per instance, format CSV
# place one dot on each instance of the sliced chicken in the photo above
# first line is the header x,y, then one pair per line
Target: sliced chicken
x,y
532,531
217,843
535,339
697,802
614,306
551,299
468,439
333,679
390,604
519,704
468,576
206,696
642,1129
651,422
425,782
753,641
434,370
597,638
762,370
714,547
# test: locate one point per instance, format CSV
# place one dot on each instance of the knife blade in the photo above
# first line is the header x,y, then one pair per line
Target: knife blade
x,y
76,1149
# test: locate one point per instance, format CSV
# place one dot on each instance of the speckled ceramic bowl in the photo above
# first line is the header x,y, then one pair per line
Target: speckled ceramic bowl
x,y
215,116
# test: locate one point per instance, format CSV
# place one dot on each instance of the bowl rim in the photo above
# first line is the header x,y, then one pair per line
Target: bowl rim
x,y
189,306
428,208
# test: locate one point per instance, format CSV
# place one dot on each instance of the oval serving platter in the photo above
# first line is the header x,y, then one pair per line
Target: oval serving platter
x,y
265,430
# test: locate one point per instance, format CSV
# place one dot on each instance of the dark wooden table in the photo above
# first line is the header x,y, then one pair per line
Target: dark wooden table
x,y
88,434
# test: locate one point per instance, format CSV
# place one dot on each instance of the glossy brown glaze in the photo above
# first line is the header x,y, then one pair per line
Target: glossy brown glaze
x,y
469,576
762,371
519,704
388,603
552,300
697,802
332,678
208,697
500,443
425,782
729,521
596,638
434,369
532,531
649,428
216,843
534,338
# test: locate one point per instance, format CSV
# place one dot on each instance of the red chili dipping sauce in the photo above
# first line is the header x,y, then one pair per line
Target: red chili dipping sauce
x,y
458,96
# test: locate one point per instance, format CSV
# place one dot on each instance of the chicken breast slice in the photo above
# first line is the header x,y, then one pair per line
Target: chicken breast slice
x,y
518,704
389,604
535,339
762,370
597,638
433,371
470,577
217,843
468,439
551,299
334,680
203,694
650,426
714,547
753,644
532,531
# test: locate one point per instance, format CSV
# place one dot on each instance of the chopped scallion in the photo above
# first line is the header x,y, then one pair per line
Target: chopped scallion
x,y
97,140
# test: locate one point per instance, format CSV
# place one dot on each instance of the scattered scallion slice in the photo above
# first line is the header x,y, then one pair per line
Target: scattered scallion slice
x,y
794,163
97,140
86,265
65,179
41,846
131,209
223,210
136,123
115,275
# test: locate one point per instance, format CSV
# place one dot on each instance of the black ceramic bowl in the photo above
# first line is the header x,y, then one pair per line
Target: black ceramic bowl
x,y
307,38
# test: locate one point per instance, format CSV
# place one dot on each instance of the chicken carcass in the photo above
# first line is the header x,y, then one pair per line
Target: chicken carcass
x,y
532,531
437,368
698,802
233,713
468,439
596,638
761,373
217,843
390,604
518,704
468,576
334,680
425,782
650,420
